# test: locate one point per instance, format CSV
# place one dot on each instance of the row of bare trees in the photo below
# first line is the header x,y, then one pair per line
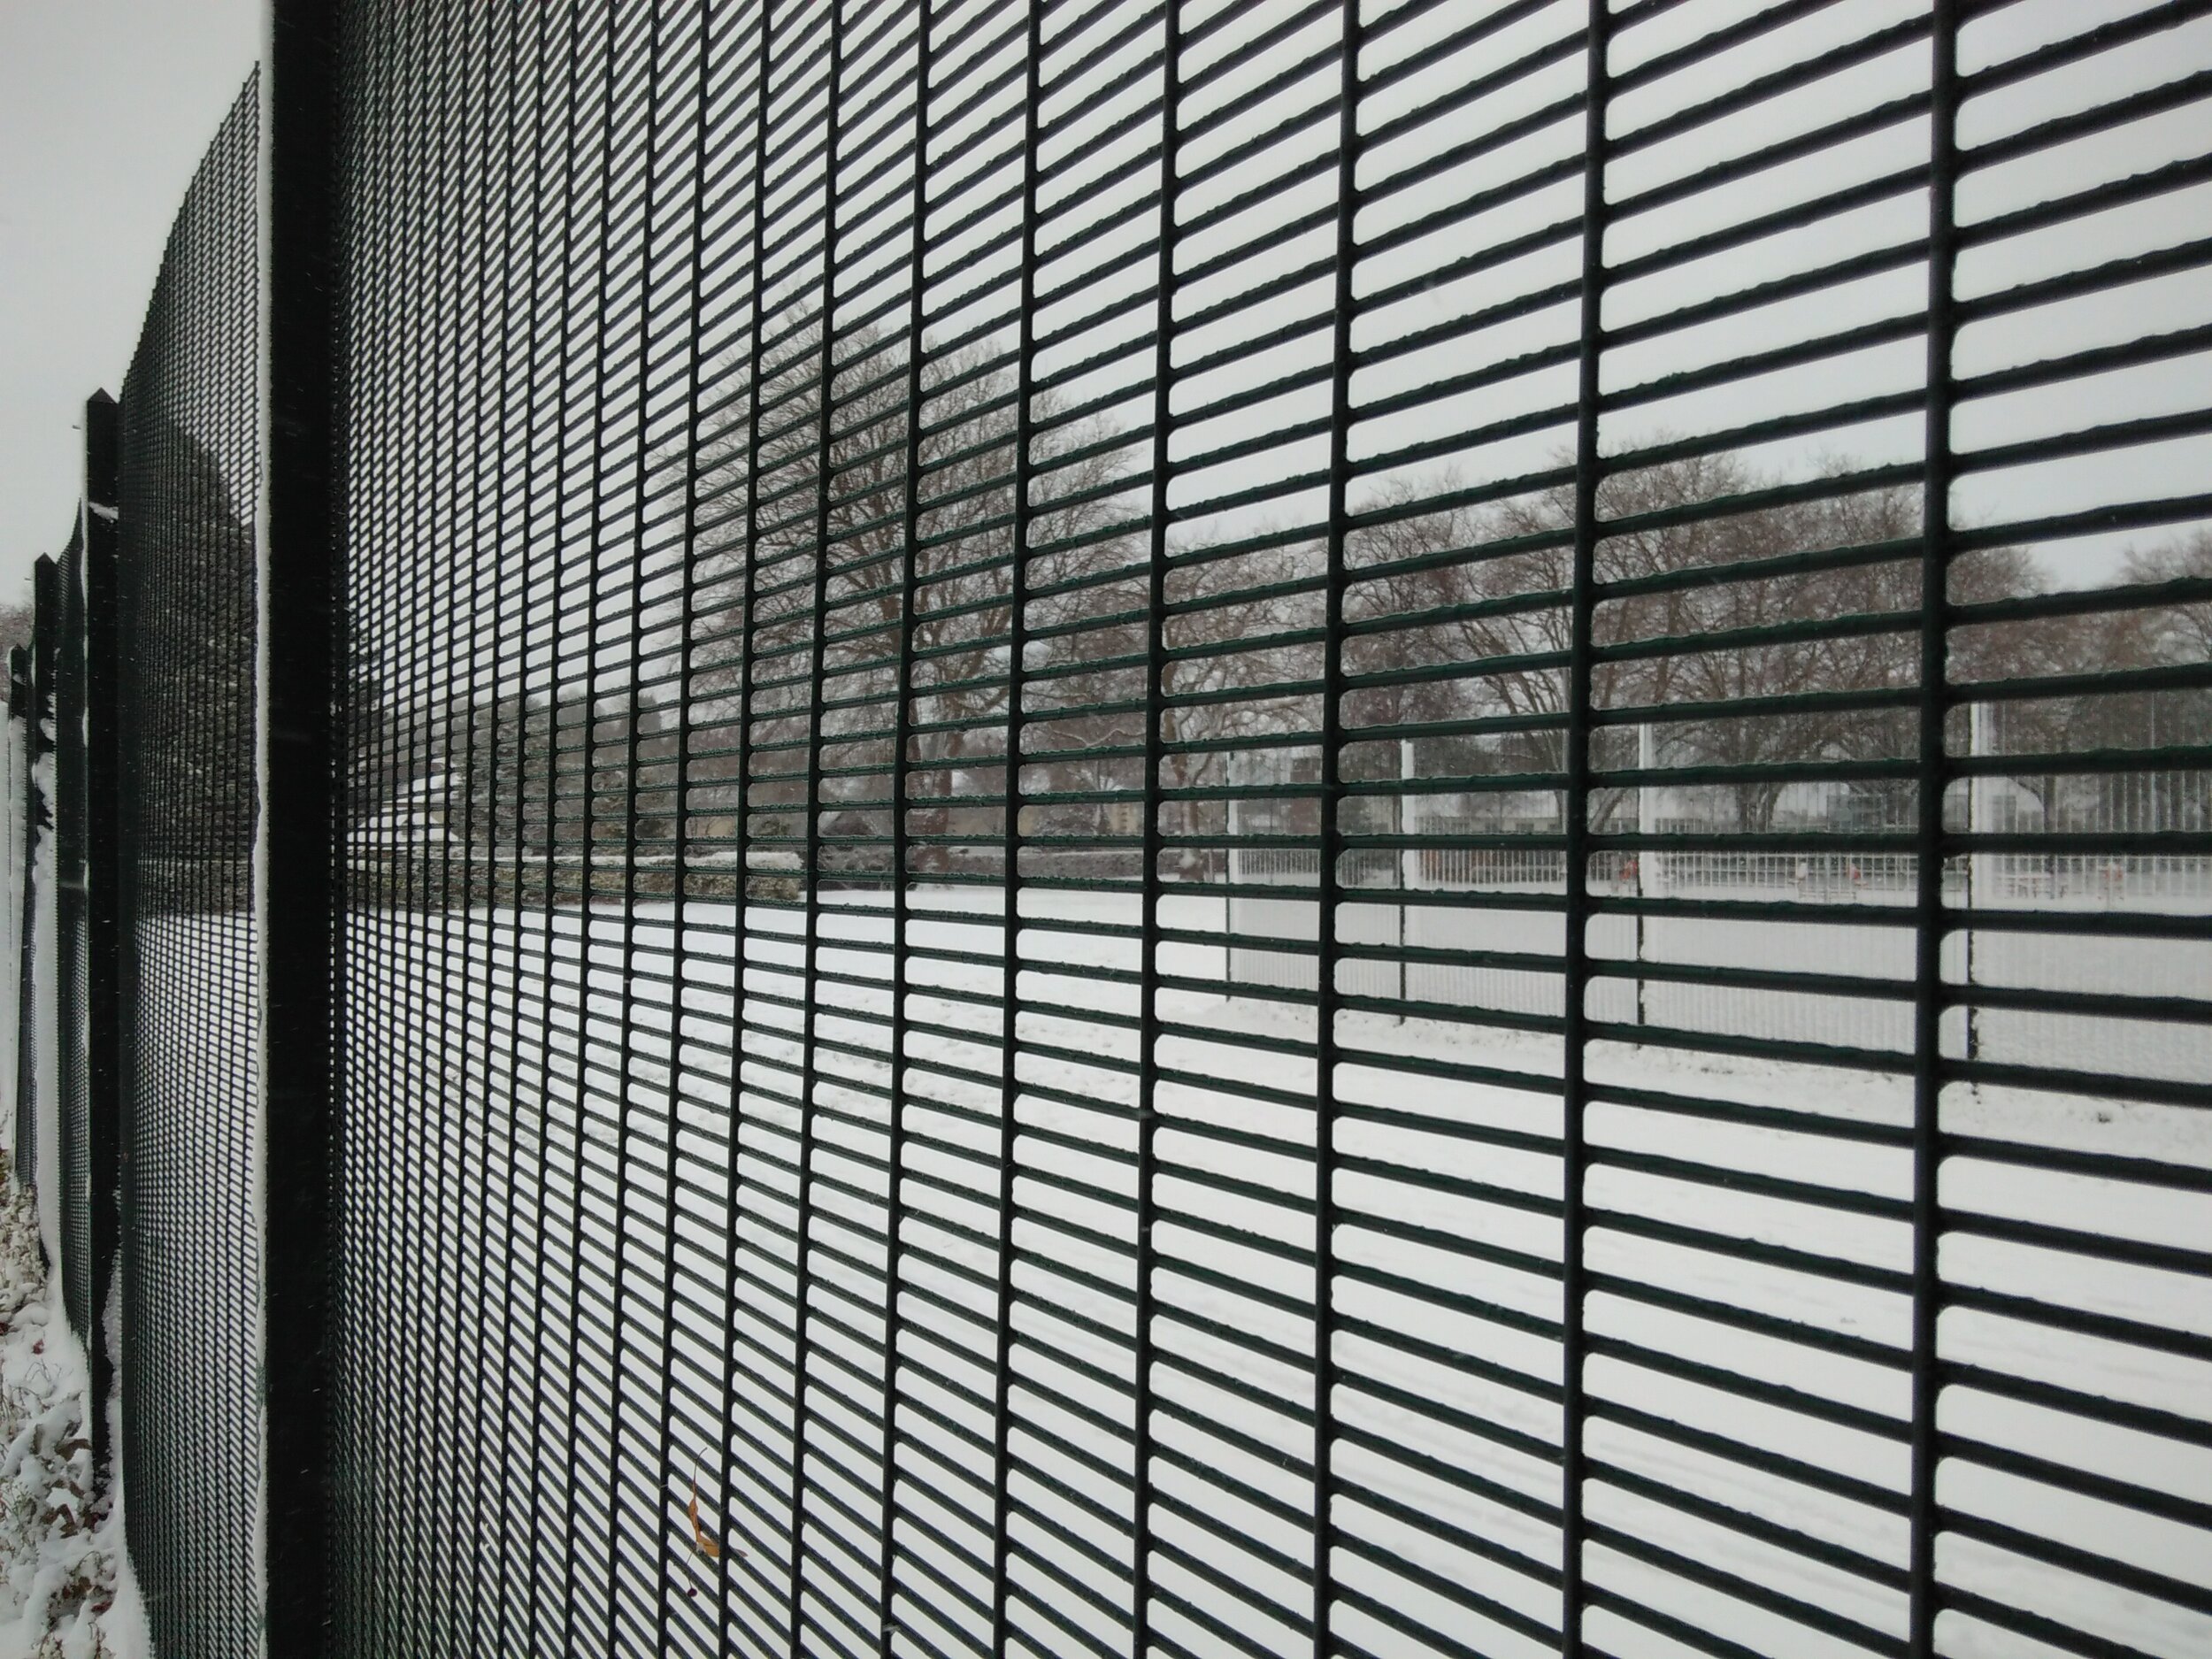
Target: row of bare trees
x,y
1757,631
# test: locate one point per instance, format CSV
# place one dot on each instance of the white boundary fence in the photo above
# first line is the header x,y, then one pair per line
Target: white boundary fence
x,y
1474,902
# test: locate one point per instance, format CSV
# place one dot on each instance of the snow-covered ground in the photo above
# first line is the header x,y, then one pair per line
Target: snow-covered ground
x,y
1874,956
66,1592
540,1120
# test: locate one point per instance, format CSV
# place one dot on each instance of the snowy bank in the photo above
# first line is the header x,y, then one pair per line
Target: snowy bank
x,y
61,1540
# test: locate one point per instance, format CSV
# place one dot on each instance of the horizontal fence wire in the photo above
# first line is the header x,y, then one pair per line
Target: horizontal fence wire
x,y
191,1344
1341,828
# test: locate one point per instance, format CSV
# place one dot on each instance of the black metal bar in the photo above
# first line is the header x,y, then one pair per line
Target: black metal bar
x,y
896,1036
680,794
465,1114
21,734
626,1034
546,1375
1574,1092
1931,780
1328,1001
591,827
1152,847
302,844
732,1206
516,172
434,502
1010,873
72,1105
38,679
109,1036
806,1422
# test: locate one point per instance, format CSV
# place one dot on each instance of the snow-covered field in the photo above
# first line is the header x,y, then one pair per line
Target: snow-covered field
x,y
1876,953
564,1317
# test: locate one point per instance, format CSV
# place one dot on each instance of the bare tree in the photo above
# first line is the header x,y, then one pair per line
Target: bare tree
x,y
1753,627
2181,632
15,625
1479,602
850,565
814,562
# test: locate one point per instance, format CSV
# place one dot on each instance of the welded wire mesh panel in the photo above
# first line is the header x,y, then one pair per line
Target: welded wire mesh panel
x,y
1206,829
499,584
191,1332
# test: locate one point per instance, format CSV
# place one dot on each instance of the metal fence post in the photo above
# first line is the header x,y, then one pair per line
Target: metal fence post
x,y
23,702
72,1083
299,918
38,814
106,1006
20,833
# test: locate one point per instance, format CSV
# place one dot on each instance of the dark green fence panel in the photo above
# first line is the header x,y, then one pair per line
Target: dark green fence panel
x,y
1352,828
192,1331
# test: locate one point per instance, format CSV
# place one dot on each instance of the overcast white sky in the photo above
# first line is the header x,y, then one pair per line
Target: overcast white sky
x,y
104,108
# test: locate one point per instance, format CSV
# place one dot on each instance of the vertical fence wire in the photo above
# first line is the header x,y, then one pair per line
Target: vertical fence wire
x,y
1930,924
1012,857
810,1564
108,1031
1151,840
1575,941
475,486
504,1157
1333,826
744,1451
900,968
24,703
